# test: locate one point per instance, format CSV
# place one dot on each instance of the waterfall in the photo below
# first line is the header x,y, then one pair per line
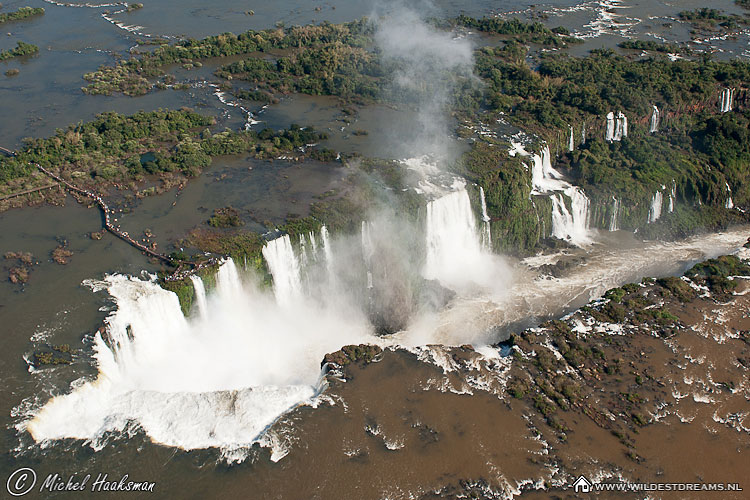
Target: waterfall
x,y
610,134
655,211
454,253
194,384
367,251
313,243
672,196
616,128
228,283
327,250
621,127
725,104
200,295
544,178
583,134
285,269
654,120
729,203
486,229
614,221
572,227
571,145
303,254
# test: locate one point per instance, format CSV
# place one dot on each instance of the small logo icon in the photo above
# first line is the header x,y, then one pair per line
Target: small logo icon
x,y
21,482
582,485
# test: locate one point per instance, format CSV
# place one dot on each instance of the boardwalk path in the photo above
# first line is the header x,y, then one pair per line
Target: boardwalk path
x,y
28,191
180,272
107,217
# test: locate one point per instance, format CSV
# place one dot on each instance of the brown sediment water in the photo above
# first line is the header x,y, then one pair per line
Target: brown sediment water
x,y
401,427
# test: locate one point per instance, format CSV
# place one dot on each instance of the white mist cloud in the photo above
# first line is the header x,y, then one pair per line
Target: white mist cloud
x,y
426,64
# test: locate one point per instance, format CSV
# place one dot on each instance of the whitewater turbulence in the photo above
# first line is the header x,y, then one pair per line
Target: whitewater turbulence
x,y
725,102
617,127
486,229
570,223
654,123
217,380
654,212
454,253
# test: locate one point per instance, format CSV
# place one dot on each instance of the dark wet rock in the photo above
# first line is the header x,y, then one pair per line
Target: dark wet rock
x,y
18,275
61,255
434,296
563,264
363,353
391,306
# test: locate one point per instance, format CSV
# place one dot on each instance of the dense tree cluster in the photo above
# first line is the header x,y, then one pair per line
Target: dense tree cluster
x,y
331,69
130,76
114,147
22,49
22,13
565,88
527,32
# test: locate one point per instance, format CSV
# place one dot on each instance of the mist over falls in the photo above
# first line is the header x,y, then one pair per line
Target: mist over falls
x,y
247,353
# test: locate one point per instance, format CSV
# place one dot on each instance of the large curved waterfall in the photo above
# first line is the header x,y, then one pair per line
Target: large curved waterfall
x,y
217,380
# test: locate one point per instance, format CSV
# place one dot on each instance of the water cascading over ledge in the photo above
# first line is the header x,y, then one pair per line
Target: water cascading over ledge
x,y
654,122
216,380
454,253
569,222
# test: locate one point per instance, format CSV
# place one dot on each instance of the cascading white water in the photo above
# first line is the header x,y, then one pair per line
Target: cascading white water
x,y
583,134
725,102
200,295
655,211
285,269
196,384
621,127
654,126
672,196
610,133
454,253
368,250
570,226
313,243
228,282
325,238
303,253
486,229
729,203
617,128
571,144
544,178
614,221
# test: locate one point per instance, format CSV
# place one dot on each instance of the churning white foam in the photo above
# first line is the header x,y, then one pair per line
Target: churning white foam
x,y
570,224
217,380
454,252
